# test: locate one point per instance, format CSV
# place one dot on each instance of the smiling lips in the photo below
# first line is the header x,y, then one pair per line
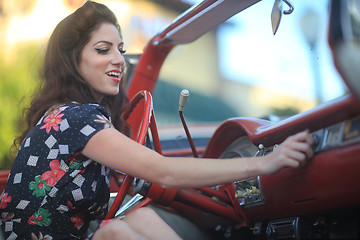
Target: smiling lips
x,y
114,75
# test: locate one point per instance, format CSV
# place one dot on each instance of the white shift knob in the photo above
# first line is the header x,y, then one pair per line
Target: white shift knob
x,y
183,98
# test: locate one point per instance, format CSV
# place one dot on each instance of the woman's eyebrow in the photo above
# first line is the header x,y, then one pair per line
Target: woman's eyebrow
x,y
109,43
103,41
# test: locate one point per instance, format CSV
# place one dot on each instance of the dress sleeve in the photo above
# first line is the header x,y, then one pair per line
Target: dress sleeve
x,y
77,124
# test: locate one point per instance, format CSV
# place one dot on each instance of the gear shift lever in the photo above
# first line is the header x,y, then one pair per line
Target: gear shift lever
x,y
182,102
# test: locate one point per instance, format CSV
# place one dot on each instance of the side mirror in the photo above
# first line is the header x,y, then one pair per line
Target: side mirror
x,y
344,40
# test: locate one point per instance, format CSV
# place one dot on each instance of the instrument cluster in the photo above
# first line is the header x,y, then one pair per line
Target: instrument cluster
x,y
338,135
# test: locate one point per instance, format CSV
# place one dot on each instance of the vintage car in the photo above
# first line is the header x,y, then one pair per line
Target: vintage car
x,y
319,201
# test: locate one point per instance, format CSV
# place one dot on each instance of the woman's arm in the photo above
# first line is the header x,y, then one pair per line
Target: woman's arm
x,y
113,149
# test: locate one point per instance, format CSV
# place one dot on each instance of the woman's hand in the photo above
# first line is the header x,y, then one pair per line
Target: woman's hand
x,y
294,152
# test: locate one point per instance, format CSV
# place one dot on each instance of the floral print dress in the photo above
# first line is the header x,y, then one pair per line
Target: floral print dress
x,y
53,191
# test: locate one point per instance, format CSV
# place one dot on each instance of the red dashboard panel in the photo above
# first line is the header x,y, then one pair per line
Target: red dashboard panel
x,y
330,181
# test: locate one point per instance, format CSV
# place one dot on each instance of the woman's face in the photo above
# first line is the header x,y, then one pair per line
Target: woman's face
x,y
101,62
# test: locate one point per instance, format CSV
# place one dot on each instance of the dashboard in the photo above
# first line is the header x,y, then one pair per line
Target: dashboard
x,y
249,192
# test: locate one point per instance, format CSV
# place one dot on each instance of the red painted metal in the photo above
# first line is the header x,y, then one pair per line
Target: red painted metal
x,y
138,115
155,134
188,135
147,71
210,204
329,182
161,195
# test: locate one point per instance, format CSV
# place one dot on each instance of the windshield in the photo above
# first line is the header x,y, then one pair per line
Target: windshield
x,y
240,69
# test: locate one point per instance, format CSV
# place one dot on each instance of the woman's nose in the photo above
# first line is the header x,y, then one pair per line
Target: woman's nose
x,y
118,59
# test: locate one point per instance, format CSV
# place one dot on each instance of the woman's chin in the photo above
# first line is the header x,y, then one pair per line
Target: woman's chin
x,y
113,93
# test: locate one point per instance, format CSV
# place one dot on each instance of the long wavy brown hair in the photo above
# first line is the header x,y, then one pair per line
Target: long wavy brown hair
x,y
61,80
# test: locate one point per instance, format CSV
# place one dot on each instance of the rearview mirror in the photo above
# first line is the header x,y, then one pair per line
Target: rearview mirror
x,y
277,12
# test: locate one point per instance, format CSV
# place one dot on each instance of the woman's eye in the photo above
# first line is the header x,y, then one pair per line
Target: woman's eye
x,y
122,51
102,50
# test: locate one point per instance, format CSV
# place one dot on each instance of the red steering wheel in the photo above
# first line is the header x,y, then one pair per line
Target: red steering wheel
x,y
140,117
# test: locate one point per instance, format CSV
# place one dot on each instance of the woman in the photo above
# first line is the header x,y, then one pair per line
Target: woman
x,y
59,181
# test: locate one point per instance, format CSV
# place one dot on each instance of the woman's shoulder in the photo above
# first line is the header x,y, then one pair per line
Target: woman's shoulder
x,y
74,119
75,107
80,109
76,113
82,106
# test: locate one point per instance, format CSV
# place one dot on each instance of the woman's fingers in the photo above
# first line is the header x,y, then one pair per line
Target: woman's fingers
x,y
303,136
302,147
297,149
297,156
293,152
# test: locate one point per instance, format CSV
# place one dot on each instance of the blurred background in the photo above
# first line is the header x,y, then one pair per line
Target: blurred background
x,y
238,69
